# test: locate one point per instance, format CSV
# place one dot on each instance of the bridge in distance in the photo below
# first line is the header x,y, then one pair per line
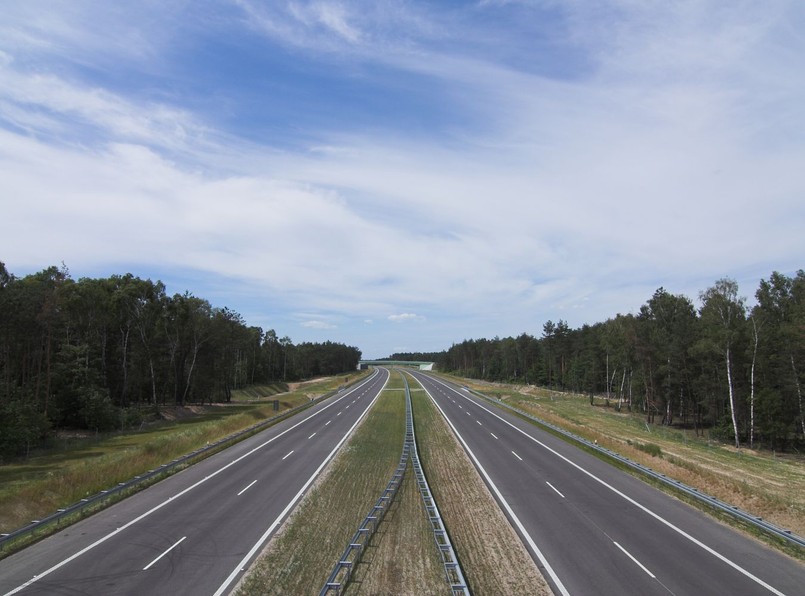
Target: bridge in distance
x,y
421,365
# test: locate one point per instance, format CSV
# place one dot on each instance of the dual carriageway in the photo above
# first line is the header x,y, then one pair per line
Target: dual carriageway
x,y
590,528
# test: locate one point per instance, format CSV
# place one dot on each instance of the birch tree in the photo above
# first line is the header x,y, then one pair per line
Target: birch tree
x,y
722,315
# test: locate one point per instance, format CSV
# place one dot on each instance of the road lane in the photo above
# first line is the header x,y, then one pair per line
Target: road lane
x,y
195,531
600,530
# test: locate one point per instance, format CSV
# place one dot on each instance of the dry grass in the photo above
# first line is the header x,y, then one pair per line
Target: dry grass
x,y
402,558
760,482
492,556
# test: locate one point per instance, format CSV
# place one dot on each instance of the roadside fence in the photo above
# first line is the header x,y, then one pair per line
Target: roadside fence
x,y
452,568
342,572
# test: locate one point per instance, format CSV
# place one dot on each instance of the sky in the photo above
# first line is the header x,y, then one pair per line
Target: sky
x,y
401,175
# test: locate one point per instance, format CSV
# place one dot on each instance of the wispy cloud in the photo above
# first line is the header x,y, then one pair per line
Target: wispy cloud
x,y
58,108
359,28
484,181
405,317
318,325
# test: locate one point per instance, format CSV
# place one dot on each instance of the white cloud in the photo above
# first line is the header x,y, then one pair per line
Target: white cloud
x,y
50,108
406,316
86,32
358,28
318,325
334,17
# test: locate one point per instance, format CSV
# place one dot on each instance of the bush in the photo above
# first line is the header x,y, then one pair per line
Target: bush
x,y
22,427
97,411
651,448
132,418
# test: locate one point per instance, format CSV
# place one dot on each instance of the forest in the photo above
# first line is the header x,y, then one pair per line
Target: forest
x,y
733,370
97,354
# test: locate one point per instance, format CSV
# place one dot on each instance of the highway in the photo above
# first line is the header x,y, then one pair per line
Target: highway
x,y
195,532
593,529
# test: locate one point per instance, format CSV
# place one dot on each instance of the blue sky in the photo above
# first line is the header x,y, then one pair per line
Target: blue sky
x,y
402,175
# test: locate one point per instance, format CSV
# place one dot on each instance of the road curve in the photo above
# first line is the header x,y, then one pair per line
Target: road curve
x,y
594,529
195,532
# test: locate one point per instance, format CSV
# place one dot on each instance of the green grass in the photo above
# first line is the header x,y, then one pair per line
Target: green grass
x,y
37,487
256,392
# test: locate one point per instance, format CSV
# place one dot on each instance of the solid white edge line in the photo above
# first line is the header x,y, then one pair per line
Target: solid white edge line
x,y
178,542
636,562
555,489
247,488
242,565
558,583
645,509
103,539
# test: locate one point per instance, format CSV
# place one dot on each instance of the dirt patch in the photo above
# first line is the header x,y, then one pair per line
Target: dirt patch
x,y
181,412
295,386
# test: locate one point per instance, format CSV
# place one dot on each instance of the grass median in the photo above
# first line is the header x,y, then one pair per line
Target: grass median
x,y
301,556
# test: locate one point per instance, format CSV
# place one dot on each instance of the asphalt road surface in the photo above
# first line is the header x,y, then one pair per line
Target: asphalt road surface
x,y
593,529
195,532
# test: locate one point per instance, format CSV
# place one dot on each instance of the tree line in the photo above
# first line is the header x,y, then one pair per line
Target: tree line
x,y
735,370
93,353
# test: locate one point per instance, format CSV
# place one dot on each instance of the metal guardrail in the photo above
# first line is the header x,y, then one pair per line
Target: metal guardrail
x,y
756,521
342,572
96,500
452,568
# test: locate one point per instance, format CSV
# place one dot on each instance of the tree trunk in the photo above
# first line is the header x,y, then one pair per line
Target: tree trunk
x,y
732,400
630,389
124,344
153,380
668,418
190,374
48,374
752,386
799,394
